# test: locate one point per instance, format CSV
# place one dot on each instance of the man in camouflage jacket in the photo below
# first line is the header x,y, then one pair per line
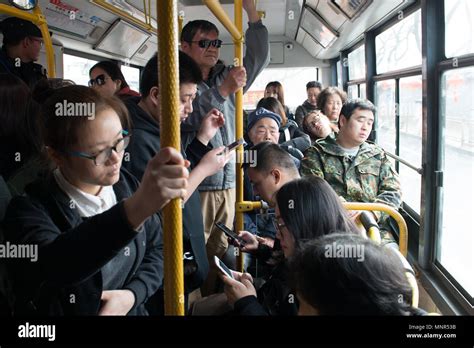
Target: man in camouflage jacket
x,y
356,170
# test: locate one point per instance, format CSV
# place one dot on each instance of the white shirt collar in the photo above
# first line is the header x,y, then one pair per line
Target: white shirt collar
x,y
86,204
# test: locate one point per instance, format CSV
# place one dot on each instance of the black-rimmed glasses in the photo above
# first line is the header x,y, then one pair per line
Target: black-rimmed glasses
x,y
207,43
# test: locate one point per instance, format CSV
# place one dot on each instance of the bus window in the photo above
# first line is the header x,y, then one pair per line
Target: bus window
x,y
132,76
339,74
457,108
294,85
356,61
363,91
399,47
410,139
385,102
458,17
77,69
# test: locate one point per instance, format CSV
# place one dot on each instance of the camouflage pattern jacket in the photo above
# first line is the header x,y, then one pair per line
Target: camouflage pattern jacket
x,y
368,177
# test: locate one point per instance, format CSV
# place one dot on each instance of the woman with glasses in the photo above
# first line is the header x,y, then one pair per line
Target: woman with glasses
x,y
317,125
95,240
107,79
306,209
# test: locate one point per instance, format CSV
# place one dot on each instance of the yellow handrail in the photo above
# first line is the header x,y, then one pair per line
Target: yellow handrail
x,y
39,19
216,8
168,71
402,225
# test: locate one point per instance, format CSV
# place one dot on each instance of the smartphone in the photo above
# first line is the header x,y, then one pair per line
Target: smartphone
x,y
234,145
224,269
229,233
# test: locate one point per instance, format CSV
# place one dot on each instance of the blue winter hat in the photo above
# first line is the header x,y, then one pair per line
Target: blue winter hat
x,y
260,113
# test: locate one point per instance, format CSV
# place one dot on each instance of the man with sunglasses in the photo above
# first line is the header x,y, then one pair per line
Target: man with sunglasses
x,y
200,40
22,42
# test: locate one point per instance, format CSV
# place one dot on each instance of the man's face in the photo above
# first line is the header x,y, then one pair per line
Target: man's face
x,y
33,47
187,93
204,57
356,129
265,129
264,185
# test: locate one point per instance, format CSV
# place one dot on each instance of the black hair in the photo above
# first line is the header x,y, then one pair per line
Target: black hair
x,y
46,87
351,105
113,70
274,105
270,155
19,119
192,27
372,283
314,84
189,72
62,133
310,209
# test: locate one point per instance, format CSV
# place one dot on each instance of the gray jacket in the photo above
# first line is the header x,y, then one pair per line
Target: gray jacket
x,y
257,57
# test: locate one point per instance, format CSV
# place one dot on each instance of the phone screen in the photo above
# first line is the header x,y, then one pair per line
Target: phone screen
x,y
221,265
236,143
229,233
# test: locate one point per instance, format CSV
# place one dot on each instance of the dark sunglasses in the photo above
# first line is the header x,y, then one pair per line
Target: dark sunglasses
x,y
99,81
206,43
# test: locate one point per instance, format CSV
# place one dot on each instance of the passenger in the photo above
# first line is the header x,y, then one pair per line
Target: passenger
x,y
22,42
45,88
263,125
290,133
330,102
274,89
146,118
313,88
95,240
200,40
345,274
19,139
356,170
107,78
317,125
306,209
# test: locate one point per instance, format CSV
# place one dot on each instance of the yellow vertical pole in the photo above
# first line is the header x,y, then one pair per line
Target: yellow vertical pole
x,y
239,128
168,71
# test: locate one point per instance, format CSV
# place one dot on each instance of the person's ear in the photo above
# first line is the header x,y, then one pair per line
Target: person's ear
x,y
118,85
57,158
276,176
342,120
185,46
154,95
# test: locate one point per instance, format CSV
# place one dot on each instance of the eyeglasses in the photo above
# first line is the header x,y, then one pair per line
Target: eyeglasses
x,y
206,43
99,80
104,155
278,226
37,40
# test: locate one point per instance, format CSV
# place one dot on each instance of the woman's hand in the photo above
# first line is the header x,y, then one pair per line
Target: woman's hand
x,y
116,302
239,288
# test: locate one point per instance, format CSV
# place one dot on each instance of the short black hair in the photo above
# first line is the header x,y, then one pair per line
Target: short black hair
x,y
270,155
351,105
335,285
314,84
189,72
192,27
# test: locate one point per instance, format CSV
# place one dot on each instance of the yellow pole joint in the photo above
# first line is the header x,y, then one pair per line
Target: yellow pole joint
x,y
244,206
168,73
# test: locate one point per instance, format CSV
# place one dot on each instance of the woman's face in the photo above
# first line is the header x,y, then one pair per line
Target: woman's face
x,y
103,83
332,107
287,240
99,134
318,124
271,92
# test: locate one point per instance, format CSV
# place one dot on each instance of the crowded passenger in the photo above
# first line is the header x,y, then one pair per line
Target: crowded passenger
x,y
313,88
200,40
107,78
330,102
98,238
274,89
317,125
358,171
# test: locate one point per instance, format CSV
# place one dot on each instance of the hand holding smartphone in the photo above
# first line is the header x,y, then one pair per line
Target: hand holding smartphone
x,y
233,146
229,233
223,268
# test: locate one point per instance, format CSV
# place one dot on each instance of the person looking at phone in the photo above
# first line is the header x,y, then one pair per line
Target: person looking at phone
x,y
205,160
305,209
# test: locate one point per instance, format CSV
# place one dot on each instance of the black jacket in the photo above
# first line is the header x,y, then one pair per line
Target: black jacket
x,y
67,279
144,144
292,135
302,111
30,73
